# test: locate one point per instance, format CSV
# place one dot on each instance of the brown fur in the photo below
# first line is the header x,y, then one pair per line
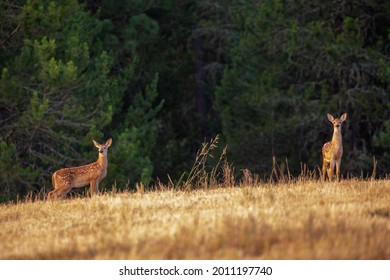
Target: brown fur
x,y
65,179
332,151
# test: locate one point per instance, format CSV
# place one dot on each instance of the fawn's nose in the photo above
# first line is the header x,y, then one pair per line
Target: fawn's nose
x,y
101,151
337,125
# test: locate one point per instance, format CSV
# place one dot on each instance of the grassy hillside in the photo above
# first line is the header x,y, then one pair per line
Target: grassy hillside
x,y
301,220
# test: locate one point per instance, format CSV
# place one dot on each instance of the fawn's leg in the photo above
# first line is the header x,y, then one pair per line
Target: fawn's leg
x,y
330,170
51,195
324,167
93,187
338,170
54,194
64,191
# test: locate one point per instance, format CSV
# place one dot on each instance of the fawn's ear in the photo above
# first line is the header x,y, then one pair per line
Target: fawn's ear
x,y
109,142
330,117
97,145
343,117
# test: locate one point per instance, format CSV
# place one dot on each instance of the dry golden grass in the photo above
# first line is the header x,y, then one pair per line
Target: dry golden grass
x,y
301,220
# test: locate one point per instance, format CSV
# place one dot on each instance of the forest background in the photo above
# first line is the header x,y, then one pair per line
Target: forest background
x,y
161,77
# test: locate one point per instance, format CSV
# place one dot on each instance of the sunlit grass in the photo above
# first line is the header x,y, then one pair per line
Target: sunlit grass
x,y
208,214
293,220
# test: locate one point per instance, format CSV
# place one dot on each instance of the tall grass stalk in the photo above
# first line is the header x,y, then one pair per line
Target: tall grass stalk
x,y
203,176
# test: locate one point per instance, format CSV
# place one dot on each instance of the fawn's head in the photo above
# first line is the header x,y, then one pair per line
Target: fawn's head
x,y
337,122
103,147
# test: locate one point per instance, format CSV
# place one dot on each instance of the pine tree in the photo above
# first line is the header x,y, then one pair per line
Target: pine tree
x,y
58,91
293,63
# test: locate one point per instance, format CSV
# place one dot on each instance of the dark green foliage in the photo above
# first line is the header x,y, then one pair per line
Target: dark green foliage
x,y
130,159
161,77
58,92
293,64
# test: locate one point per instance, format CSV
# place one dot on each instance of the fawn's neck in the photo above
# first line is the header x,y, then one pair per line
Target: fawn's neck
x,y
337,139
102,161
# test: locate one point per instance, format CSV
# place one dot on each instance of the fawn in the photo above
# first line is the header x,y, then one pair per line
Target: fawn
x,y
332,151
65,179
